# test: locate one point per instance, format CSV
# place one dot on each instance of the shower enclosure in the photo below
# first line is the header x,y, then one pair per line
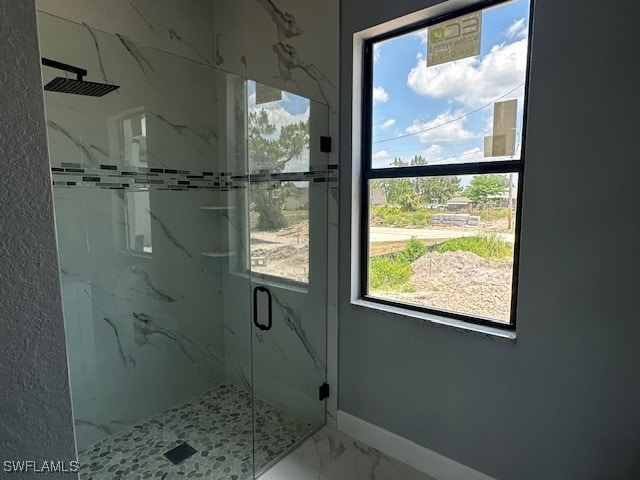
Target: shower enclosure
x,y
191,220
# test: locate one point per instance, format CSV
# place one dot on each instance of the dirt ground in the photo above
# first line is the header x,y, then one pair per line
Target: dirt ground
x,y
457,281
462,282
284,253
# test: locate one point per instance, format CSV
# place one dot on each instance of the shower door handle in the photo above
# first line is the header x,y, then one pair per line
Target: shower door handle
x,y
255,308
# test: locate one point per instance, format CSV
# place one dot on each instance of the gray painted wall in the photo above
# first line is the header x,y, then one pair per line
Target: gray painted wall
x,y
563,401
35,406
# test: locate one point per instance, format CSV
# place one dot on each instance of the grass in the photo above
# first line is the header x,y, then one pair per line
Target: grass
x,y
487,246
392,216
491,213
392,272
292,217
387,273
395,217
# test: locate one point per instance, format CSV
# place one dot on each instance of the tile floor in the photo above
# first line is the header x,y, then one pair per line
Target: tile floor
x,y
217,424
332,455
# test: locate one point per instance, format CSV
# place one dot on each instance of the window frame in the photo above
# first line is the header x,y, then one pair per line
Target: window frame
x,y
369,173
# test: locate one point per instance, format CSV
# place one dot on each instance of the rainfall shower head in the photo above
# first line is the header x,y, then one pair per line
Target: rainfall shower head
x,y
79,87
76,87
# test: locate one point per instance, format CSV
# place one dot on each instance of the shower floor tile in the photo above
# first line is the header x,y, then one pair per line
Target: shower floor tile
x,y
217,424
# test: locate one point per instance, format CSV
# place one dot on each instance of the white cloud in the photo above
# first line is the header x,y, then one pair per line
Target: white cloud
x,y
381,158
380,95
445,127
473,82
517,29
382,154
423,35
277,114
389,123
432,154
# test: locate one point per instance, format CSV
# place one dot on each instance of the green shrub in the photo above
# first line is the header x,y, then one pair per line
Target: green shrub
x,y
392,272
412,251
491,213
486,246
396,217
386,273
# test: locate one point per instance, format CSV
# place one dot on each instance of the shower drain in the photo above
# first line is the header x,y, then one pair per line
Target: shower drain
x,y
180,453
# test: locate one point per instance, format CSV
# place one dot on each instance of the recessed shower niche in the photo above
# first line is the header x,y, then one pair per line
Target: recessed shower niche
x,y
191,220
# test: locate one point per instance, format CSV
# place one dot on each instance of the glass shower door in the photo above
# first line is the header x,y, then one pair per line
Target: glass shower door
x,y
287,259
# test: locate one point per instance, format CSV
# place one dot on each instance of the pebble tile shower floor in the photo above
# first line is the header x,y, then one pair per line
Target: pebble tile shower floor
x,y
216,423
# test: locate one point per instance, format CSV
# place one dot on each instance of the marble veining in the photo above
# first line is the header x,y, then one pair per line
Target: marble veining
x,y
333,455
145,328
98,53
294,322
142,62
289,60
182,29
127,360
285,22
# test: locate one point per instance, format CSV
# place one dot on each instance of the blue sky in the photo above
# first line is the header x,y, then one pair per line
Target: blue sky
x,y
290,109
429,107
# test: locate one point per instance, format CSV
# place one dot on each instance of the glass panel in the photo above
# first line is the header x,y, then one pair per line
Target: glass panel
x,y
444,243
280,230
148,232
278,130
157,187
288,223
453,92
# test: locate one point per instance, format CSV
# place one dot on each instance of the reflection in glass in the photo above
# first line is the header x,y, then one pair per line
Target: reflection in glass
x,y
444,243
133,129
278,131
280,230
138,219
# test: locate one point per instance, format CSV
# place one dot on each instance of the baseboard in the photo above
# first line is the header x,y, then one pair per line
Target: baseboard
x,y
406,451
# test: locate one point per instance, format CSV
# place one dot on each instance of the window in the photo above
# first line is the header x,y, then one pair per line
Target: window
x,y
279,134
444,111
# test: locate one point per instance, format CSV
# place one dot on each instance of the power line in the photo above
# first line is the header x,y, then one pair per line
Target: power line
x,y
450,121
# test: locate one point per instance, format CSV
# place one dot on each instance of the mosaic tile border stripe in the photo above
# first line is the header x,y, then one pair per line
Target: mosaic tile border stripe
x,y
121,177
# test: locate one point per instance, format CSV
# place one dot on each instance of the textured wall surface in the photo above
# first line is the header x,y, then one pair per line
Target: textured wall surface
x,y
35,407
563,401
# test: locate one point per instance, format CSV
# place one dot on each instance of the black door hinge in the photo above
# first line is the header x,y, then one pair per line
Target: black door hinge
x,y
325,144
323,391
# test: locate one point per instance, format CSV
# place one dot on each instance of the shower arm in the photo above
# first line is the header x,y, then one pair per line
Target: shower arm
x,y
80,72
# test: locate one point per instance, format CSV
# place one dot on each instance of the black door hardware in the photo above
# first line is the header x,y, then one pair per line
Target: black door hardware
x,y
255,308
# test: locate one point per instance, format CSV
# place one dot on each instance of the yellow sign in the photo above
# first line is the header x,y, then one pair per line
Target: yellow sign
x,y
454,39
502,142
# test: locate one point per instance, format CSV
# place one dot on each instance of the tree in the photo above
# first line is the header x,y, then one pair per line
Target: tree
x,y
437,189
483,187
401,192
271,150
427,190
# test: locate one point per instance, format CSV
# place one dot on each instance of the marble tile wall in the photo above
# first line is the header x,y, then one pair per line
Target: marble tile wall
x,y
162,94
291,45
183,28
142,304
288,362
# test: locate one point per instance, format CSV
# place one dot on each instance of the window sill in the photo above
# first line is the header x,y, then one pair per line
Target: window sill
x,y
492,333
